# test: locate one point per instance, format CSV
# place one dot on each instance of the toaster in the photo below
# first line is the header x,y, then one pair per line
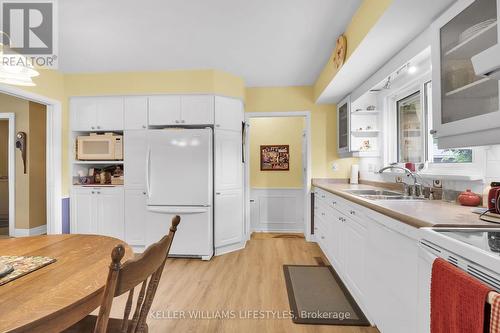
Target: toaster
x,y
494,198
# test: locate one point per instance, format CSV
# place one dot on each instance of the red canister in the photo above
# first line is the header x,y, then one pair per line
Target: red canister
x,y
469,198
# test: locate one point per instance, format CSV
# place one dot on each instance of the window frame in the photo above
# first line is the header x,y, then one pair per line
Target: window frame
x,y
391,153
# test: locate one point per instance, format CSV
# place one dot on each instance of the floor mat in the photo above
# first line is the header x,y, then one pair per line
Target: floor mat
x,y
318,296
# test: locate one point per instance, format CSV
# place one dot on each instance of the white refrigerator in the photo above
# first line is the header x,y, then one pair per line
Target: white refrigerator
x,y
179,181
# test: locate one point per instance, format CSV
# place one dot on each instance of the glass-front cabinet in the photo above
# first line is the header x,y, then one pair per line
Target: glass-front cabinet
x,y
466,106
343,126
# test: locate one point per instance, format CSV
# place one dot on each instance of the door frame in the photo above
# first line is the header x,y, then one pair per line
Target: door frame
x,y
307,172
53,156
11,171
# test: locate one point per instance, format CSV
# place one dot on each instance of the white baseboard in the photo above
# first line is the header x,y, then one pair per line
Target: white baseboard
x,y
31,232
230,248
279,230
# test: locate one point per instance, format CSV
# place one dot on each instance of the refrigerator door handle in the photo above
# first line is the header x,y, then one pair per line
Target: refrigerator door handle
x,y
148,167
177,210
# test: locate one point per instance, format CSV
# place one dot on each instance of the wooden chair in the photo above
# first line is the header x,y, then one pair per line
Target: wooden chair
x,y
122,278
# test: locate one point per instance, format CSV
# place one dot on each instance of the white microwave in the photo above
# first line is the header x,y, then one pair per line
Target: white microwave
x,y
96,147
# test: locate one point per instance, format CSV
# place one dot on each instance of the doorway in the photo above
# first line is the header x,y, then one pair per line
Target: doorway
x,y
23,167
6,166
277,193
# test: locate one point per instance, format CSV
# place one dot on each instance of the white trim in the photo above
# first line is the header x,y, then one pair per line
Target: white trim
x,y
276,188
11,117
229,248
40,230
53,153
308,175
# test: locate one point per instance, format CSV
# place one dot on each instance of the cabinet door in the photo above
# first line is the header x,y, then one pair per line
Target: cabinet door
x,y
463,102
228,163
164,110
83,211
135,110
228,217
83,114
110,113
343,126
228,113
110,210
197,109
135,217
392,262
135,142
337,241
354,253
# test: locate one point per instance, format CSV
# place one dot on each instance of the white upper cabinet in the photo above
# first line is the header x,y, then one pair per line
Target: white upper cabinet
x,y
343,126
181,110
197,109
97,113
135,112
465,105
228,113
164,110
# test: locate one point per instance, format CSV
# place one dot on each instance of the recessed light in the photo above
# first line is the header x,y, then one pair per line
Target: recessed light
x,y
412,69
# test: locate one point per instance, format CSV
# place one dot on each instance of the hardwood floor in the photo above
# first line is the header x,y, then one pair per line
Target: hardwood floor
x,y
247,280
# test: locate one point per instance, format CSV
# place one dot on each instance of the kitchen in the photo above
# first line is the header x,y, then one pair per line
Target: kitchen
x,y
394,209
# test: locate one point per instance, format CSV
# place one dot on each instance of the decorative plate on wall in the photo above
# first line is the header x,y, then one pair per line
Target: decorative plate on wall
x,y
274,158
340,52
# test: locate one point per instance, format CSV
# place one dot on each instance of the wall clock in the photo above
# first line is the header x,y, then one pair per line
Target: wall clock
x,y
340,52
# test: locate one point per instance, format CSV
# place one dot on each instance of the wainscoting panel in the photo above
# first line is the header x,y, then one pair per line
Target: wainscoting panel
x,y
277,209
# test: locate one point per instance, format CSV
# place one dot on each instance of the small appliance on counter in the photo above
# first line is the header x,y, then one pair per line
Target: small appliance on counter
x,y
494,198
99,147
111,175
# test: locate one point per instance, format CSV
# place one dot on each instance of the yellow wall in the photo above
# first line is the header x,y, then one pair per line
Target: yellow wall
x,y
276,131
135,83
323,124
37,170
361,23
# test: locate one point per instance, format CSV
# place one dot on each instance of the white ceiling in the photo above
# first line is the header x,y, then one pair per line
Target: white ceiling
x,y
268,43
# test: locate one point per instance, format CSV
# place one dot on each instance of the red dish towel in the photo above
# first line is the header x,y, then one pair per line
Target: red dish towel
x,y
495,315
457,300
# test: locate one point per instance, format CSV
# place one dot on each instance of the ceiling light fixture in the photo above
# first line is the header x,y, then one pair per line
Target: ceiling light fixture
x,y
412,69
20,73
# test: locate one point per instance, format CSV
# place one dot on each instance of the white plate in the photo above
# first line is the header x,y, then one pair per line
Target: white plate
x,y
5,269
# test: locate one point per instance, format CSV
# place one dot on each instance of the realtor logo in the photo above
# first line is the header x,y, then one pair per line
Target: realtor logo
x,y
29,33
28,26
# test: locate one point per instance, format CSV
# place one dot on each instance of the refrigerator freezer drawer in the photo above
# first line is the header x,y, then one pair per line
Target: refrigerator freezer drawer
x,y
194,233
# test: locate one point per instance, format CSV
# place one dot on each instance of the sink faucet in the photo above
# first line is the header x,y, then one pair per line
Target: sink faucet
x,y
410,190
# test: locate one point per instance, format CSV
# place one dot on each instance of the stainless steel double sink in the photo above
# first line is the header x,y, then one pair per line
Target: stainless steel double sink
x,y
375,194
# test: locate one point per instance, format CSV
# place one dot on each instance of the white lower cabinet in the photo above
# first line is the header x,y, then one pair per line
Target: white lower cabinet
x,y
375,256
98,210
228,217
136,216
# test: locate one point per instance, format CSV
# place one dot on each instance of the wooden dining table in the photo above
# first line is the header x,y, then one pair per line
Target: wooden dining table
x,y
58,295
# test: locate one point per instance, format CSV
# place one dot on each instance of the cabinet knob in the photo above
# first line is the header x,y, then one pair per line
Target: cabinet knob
x,y
98,192
323,214
217,125
176,121
334,203
183,121
143,126
92,127
93,192
144,193
98,127
217,193
323,196
433,131
352,212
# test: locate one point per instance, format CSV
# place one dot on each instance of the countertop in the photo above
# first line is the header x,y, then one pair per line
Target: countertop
x,y
417,213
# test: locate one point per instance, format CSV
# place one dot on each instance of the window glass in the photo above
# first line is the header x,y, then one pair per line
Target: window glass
x,y
410,129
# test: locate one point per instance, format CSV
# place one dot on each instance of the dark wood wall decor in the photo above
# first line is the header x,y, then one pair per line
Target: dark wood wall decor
x,y
275,158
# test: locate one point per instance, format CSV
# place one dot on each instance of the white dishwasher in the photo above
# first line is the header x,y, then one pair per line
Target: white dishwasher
x,y
475,251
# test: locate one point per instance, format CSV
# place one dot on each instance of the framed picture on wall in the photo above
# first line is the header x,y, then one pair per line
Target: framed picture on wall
x,y
275,158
